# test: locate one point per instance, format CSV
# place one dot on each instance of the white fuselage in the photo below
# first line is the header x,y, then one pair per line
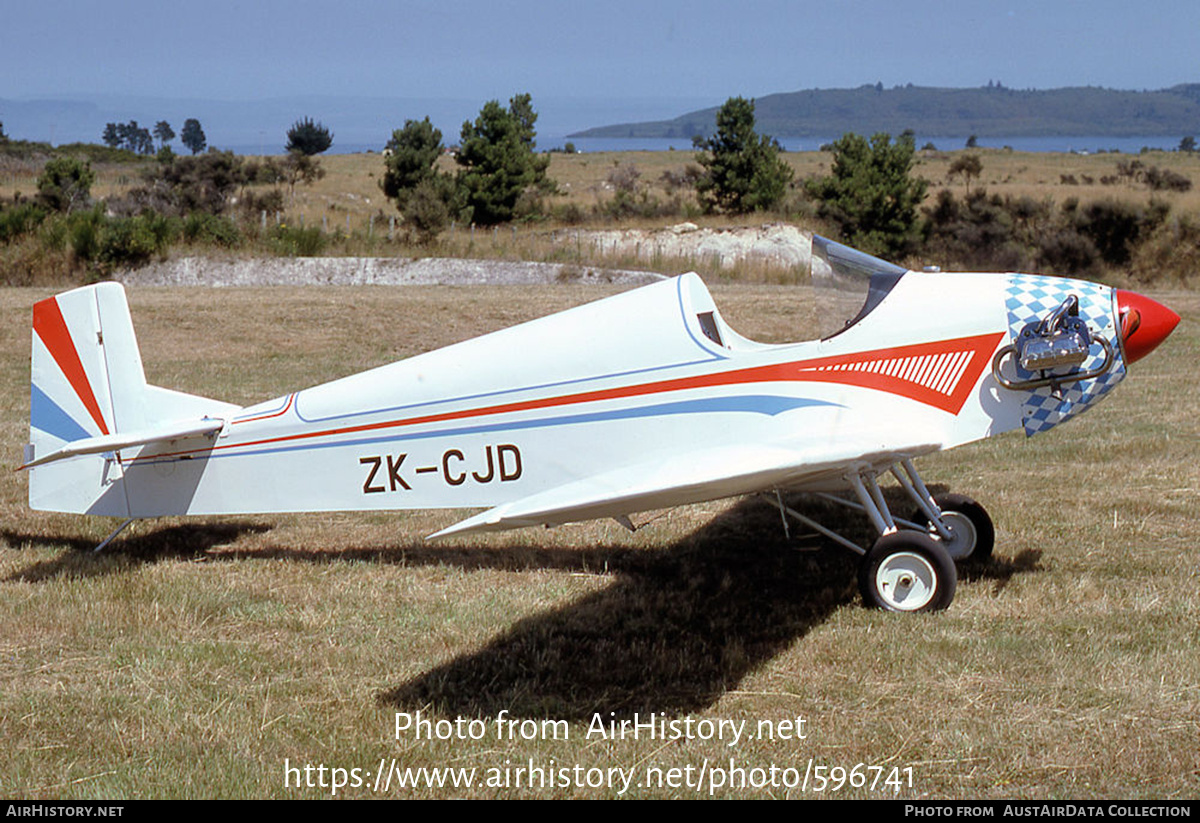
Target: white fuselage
x,y
632,380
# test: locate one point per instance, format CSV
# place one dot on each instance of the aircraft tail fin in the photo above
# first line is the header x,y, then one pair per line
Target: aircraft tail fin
x,y
89,398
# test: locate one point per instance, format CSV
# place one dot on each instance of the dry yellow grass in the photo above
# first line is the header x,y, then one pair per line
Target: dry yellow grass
x,y
195,658
350,187
1040,175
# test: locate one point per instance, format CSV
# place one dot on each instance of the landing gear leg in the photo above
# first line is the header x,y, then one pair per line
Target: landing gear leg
x,y
910,567
904,571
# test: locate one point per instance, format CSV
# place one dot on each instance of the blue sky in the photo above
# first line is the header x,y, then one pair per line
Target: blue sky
x,y
657,48
698,52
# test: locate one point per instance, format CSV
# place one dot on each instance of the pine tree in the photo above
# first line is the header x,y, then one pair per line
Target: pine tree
x,y
743,170
872,195
422,194
413,152
497,160
308,137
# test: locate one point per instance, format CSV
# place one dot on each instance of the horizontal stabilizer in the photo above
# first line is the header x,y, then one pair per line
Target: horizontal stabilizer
x,y
125,440
709,474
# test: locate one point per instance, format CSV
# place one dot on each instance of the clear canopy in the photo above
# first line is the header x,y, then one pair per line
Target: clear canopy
x,y
847,284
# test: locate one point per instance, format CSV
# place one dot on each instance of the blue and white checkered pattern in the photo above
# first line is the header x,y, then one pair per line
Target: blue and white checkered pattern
x,y
1031,297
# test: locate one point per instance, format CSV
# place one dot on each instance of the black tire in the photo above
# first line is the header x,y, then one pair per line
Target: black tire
x,y
907,571
958,509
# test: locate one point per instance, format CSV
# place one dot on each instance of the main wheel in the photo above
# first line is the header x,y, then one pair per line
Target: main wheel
x,y
972,535
907,571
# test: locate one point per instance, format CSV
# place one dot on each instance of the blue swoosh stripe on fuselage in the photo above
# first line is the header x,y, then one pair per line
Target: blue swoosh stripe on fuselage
x,y
770,405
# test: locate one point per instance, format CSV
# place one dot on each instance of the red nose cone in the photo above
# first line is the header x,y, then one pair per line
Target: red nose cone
x,y
1144,324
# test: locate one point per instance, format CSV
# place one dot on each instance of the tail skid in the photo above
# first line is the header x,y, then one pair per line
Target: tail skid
x,y
89,400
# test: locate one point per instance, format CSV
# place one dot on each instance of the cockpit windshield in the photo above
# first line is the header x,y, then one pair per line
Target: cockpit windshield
x,y
847,284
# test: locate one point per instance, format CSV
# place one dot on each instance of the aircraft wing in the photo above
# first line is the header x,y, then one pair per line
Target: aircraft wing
x,y
126,440
706,474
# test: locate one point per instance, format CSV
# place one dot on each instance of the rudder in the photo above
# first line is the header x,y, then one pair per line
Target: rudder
x,y
87,381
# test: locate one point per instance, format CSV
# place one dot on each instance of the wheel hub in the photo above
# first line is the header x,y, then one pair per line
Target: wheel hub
x,y
963,536
906,581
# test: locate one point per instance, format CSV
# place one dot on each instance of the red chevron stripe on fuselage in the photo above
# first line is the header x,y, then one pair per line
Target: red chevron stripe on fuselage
x,y
939,374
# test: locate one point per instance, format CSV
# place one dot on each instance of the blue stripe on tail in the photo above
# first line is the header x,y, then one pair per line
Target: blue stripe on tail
x,y
48,416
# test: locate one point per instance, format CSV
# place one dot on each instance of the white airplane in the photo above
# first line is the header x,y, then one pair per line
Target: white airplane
x,y
640,401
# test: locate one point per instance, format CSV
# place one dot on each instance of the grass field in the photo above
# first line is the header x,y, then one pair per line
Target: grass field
x,y
350,187
198,658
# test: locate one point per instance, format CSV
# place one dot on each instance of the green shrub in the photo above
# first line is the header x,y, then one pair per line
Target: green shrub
x,y
1115,227
296,241
132,241
1067,252
202,227
65,184
19,220
1171,252
426,213
82,233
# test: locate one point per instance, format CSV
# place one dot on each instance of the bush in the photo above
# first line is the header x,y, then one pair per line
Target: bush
x,y
126,242
1067,252
205,182
82,233
253,204
1166,180
643,204
982,231
1172,251
978,232
200,227
294,241
624,178
1115,227
65,184
19,220
572,214
683,178
426,213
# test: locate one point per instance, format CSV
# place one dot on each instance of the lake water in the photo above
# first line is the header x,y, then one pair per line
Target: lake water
x,y
1125,145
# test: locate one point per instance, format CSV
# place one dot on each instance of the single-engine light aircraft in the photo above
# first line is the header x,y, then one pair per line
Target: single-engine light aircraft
x,y
644,400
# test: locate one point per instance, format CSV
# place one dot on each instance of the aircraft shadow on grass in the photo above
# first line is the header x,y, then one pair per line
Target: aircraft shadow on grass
x,y
182,541
676,629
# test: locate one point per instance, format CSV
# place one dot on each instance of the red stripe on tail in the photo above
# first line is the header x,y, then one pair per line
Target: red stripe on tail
x,y
49,325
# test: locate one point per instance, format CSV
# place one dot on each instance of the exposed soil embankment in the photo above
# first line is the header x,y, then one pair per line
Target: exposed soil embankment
x,y
776,245
382,271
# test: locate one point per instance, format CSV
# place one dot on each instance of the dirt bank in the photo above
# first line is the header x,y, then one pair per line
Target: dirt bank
x,y
776,244
384,271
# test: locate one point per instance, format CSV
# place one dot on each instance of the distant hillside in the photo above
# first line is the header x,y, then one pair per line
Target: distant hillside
x,y
991,111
